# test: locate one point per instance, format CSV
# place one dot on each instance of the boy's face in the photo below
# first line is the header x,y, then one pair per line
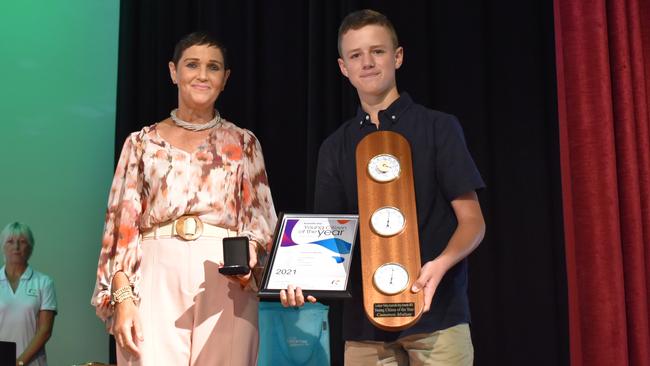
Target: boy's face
x,y
369,60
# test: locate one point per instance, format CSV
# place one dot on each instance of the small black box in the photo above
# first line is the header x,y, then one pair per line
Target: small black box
x,y
235,256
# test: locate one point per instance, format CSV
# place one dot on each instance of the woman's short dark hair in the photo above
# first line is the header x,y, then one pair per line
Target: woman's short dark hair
x,y
361,18
198,39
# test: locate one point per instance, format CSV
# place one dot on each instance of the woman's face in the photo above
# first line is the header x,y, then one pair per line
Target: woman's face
x,y
17,250
200,76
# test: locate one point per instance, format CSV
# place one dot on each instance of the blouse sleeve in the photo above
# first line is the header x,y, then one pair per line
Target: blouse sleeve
x,y
120,242
257,216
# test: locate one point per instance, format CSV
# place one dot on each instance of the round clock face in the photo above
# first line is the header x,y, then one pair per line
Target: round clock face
x,y
387,221
391,278
384,168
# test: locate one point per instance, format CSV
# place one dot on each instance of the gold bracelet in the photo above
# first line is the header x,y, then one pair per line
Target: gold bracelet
x,y
121,294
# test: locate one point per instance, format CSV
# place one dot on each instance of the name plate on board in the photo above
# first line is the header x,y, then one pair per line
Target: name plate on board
x,y
394,309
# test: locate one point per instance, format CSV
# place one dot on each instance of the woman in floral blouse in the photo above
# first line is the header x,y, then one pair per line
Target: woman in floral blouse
x,y
181,185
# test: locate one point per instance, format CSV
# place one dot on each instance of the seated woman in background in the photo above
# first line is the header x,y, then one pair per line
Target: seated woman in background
x,y
27,298
181,186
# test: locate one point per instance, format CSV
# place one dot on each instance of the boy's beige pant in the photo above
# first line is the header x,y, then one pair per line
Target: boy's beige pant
x,y
451,346
191,314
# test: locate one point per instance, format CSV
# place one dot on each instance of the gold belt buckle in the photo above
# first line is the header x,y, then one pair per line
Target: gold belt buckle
x,y
183,227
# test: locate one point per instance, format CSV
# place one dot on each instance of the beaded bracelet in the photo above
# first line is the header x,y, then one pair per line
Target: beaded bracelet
x,y
121,294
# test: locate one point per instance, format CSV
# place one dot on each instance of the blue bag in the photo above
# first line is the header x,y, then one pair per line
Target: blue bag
x,y
293,337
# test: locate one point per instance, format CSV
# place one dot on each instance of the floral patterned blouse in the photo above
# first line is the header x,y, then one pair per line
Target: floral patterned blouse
x,y
223,182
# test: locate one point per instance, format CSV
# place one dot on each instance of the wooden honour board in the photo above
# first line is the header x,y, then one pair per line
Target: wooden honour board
x,y
402,248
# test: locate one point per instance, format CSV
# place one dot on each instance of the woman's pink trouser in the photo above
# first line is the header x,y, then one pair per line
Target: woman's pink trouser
x,y
191,314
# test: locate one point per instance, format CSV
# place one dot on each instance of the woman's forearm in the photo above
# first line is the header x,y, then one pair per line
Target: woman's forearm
x,y
43,333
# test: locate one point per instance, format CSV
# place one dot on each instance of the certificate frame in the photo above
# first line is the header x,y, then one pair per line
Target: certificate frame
x,y
321,268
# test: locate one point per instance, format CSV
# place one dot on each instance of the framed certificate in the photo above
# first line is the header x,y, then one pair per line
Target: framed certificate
x,y
312,252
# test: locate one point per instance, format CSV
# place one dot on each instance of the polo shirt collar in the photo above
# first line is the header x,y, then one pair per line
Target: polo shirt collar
x,y
392,113
27,275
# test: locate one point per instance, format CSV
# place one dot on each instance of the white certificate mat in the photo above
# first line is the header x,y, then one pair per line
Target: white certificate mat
x,y
312,252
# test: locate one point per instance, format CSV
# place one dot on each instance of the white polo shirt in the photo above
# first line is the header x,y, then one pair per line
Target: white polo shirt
x,y
19,310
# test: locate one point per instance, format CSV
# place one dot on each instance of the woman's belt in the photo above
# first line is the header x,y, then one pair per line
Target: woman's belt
x,y
188,227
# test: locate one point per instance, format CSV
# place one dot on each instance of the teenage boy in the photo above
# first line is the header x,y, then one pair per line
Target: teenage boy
x,y
450,221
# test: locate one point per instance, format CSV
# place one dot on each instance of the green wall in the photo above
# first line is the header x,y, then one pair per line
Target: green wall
x,y
57,105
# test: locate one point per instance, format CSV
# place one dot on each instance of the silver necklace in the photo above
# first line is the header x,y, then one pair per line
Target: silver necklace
x,y
194,126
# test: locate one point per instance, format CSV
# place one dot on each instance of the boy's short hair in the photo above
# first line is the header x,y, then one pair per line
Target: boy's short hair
x,y
361,18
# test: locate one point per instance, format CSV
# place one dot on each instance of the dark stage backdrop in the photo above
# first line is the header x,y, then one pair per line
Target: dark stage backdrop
x,y
489,63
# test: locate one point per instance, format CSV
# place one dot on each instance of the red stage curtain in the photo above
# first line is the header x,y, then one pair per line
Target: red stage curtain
x,y
603,71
